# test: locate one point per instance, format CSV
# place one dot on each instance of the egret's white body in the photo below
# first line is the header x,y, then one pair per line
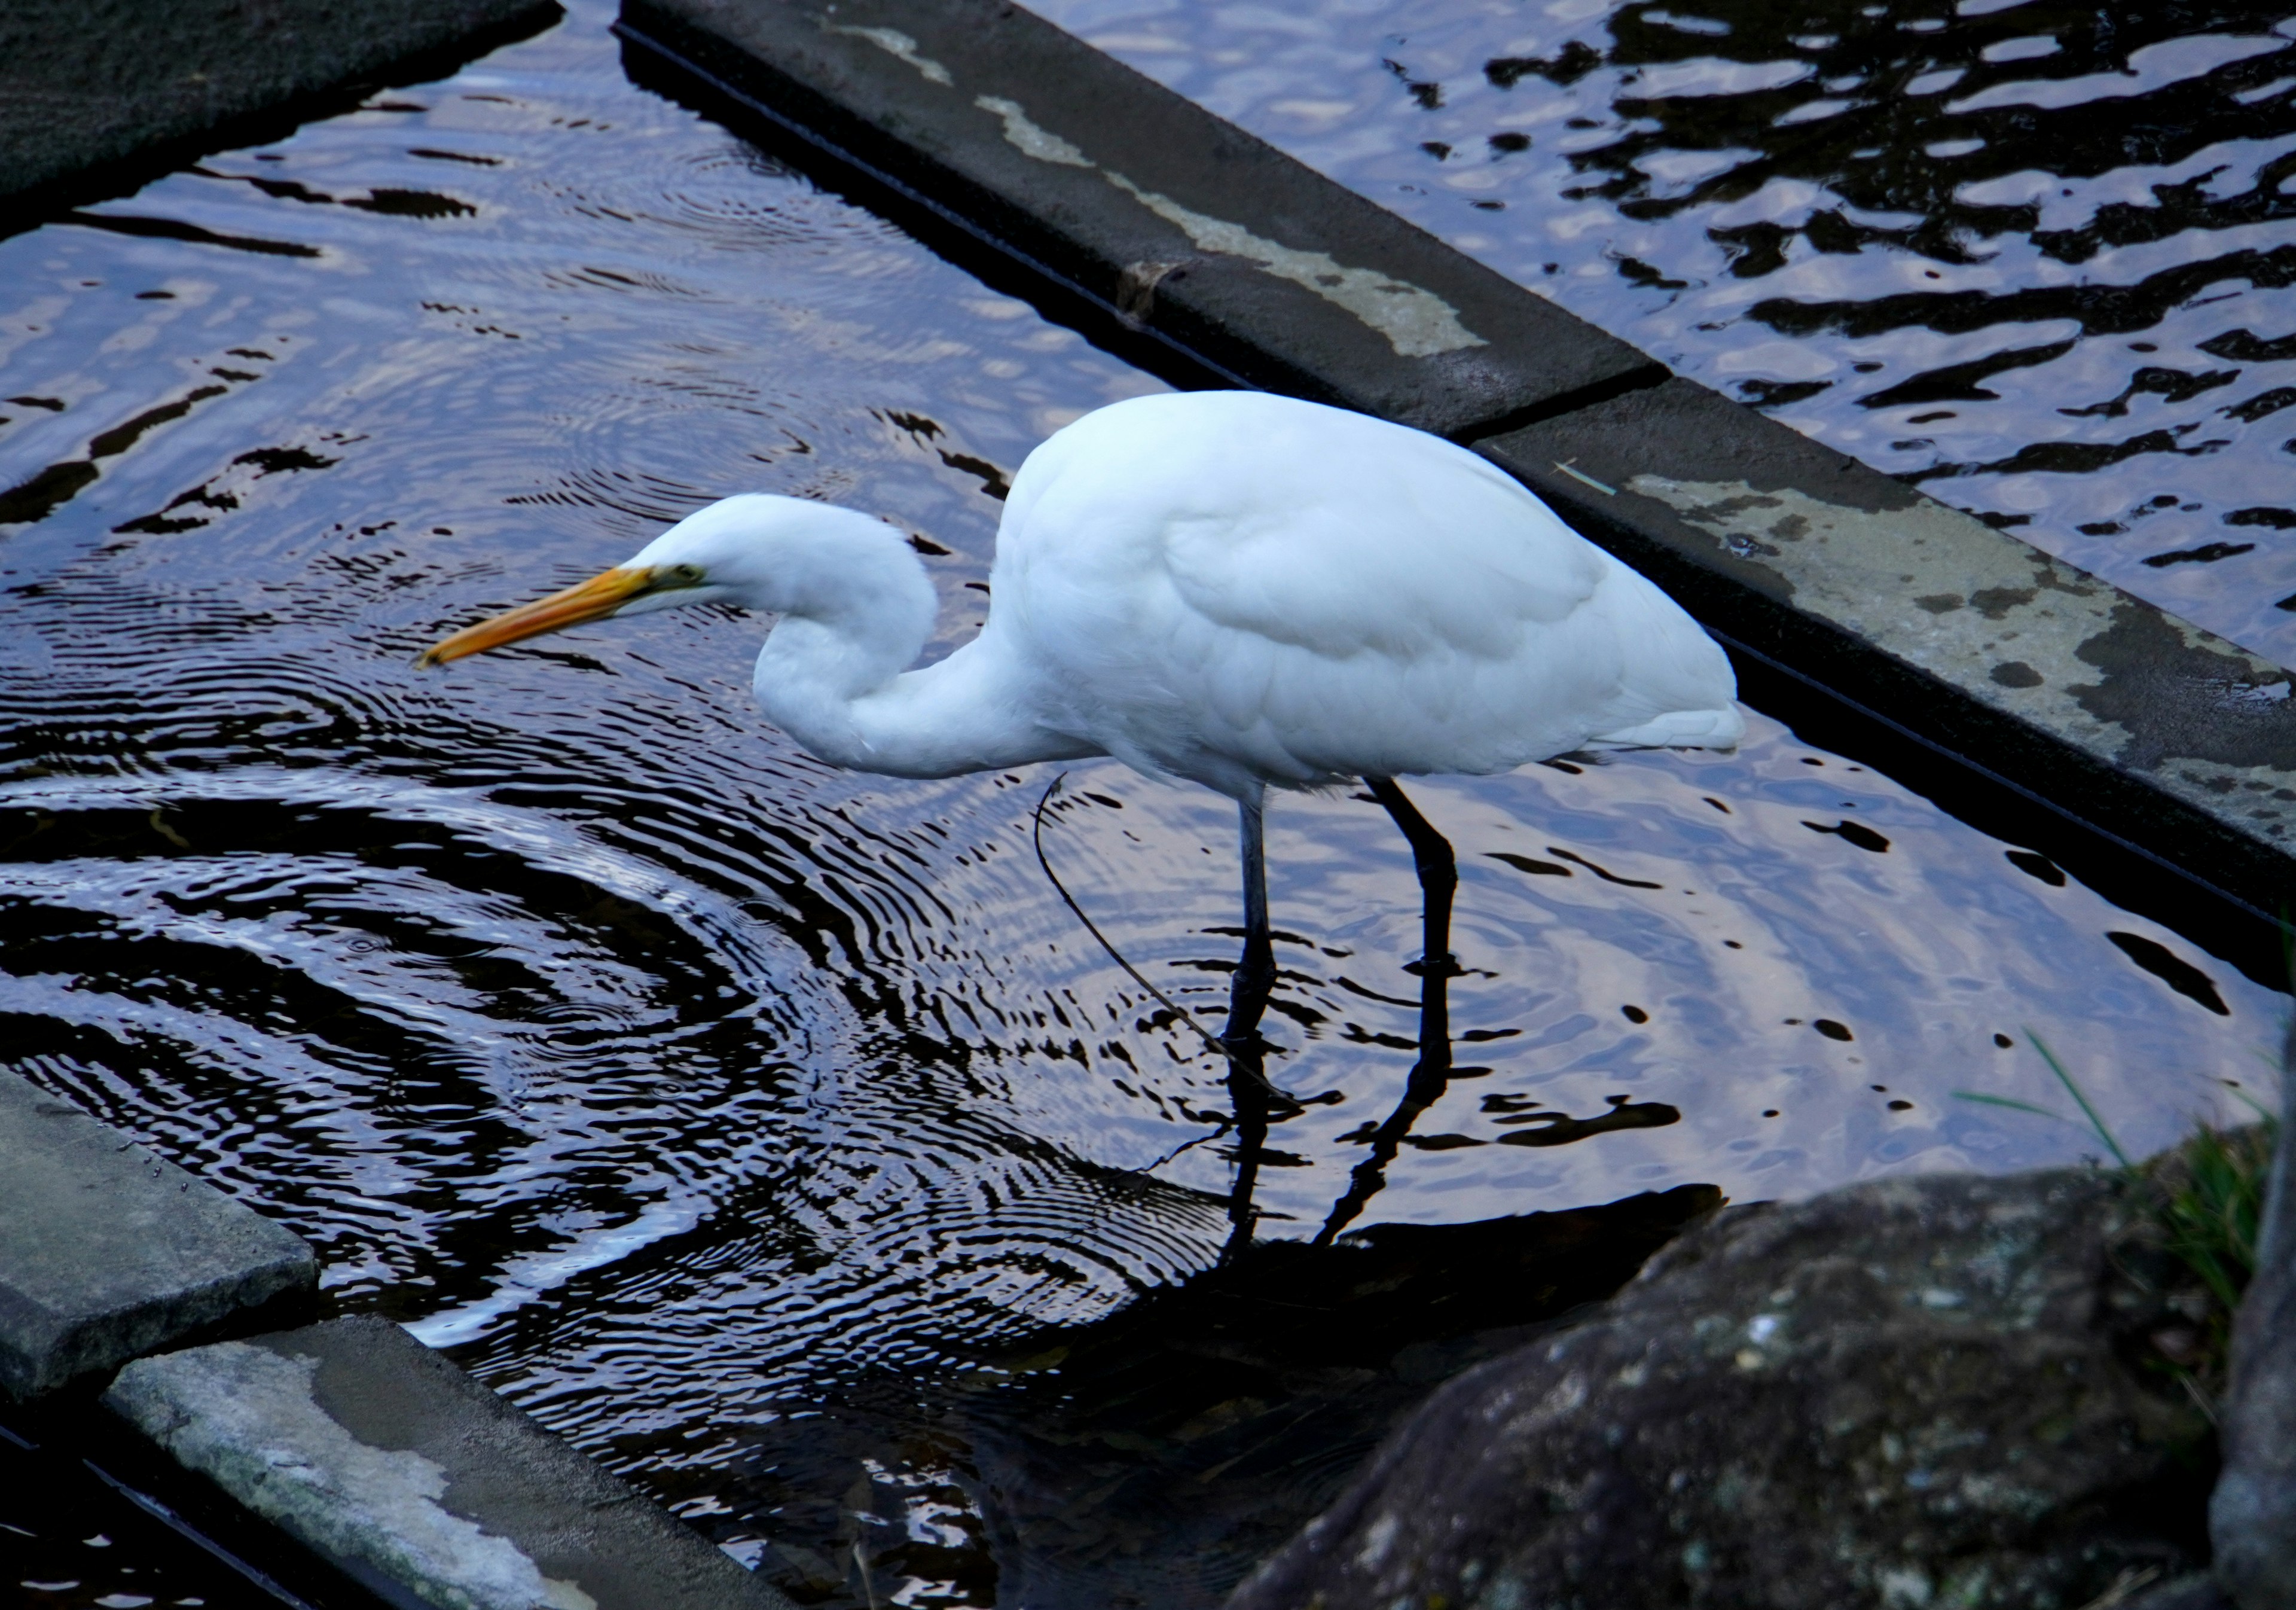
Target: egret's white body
x,y
1231,587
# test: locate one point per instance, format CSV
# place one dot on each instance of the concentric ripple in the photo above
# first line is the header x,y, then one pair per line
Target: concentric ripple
x,y
2029,255
692,1092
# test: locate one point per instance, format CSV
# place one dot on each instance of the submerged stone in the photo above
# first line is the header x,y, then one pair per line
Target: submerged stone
x,y
107,1252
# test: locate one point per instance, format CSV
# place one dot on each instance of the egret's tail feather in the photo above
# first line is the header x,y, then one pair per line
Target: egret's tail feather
x,y
1681,730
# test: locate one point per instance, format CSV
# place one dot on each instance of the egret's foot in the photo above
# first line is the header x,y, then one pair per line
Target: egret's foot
x,y
1444,965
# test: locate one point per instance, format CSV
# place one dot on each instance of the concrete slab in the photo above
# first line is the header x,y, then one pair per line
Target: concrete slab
x,y
1146,203
384,1457
2123,717
107,1252
96,96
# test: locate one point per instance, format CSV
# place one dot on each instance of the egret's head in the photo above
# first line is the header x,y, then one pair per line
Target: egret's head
x,y
756,551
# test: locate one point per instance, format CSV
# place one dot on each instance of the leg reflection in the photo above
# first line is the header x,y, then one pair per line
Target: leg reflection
x,y
1248,1093
1248,1090
1430,1075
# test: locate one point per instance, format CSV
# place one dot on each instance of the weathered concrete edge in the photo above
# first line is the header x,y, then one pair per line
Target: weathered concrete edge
x,y
108,1251
1136,199
418,1481
2144,726
2138,727
112,1258
151,136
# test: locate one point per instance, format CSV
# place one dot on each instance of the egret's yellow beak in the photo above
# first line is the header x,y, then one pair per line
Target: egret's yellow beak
x,y
593,600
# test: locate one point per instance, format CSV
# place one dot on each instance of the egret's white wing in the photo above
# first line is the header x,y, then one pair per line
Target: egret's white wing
x,y
1270,586
1307,525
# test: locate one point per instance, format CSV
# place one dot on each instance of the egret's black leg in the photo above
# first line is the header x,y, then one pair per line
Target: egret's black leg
x,y
1255,974
1247,1077
1430,1075
1438,867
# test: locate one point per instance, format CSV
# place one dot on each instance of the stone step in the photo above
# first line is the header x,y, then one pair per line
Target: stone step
x,y
107,1252
97,96
386,1460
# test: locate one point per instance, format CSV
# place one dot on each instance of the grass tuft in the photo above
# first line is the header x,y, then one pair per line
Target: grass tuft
x,y
2205,1200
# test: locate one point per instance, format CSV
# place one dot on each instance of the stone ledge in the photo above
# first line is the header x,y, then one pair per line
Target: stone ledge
x,y
419,1483
107,1252
1166,216
98,97
2137,723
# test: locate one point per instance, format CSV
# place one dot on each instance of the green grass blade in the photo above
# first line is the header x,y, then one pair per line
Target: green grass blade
x,y
2263,1112
2065,1078
2003,1101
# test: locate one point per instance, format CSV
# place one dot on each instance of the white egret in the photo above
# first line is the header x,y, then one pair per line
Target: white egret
x,y
1234,588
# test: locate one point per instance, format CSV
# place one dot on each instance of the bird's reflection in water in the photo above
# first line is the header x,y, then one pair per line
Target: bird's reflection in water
x,y
1431,1074
1256,1102
1152,1458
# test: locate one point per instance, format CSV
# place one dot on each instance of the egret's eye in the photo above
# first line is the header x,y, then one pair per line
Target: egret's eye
x,y
684,575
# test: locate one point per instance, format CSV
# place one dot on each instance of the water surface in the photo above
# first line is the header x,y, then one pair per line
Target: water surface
x,y
693,1092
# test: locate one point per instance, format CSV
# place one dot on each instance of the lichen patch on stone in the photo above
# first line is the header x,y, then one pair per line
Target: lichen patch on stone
x,y
245,1418
2132,686
1415,321
1028,138
894,43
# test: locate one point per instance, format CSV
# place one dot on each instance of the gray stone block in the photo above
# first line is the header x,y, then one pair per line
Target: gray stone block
x,y
2252,1516
383,1456
1181,223
98,95
107,1252
2140,725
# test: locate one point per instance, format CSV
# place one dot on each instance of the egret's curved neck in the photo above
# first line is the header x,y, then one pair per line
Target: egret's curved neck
x,y
833,674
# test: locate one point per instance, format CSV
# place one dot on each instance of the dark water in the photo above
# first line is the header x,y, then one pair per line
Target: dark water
x,y
122,1530
67,1539
769,1130
2032,256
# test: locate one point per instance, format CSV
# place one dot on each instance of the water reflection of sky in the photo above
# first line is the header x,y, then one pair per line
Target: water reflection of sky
x,y
676,1080
2034,258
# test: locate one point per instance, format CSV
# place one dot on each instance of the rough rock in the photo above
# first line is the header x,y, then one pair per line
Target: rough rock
x,y
1913,1392
2253,1517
